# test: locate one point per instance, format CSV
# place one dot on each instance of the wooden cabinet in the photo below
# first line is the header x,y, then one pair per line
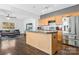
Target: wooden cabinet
x,y
43,22
58,19
43,41
39,40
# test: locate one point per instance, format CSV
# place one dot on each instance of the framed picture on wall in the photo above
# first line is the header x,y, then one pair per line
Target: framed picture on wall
x,y
8,25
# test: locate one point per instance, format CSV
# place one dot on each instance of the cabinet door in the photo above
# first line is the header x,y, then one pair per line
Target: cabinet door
x,y
54,43
45,43
32,39
58,19
44,22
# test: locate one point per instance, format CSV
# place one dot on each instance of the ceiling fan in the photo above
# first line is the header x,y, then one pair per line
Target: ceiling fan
x,y
8,16
6,13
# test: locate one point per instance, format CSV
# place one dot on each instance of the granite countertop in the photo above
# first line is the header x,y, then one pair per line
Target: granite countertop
x,y
47,32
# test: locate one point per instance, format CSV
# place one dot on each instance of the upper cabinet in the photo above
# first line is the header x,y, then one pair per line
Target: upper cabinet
x,y
72,14
45,20
58,20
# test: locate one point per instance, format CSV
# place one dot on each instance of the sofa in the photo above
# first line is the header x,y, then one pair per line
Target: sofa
x,y
9,33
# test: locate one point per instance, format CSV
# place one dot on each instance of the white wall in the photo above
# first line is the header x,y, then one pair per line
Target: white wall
x,y
20,23
34,21
4,19
23,17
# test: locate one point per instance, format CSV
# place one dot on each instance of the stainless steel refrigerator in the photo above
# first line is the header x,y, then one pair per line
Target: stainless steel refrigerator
x,y
72,30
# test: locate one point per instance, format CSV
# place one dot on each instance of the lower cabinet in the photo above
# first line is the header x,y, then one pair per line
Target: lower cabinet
x,y
42,41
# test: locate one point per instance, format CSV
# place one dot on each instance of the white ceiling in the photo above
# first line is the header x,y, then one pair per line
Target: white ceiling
x,y
29,10
40,9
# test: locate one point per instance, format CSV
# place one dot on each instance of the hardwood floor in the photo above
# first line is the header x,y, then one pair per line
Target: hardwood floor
x,y
68,50
21,48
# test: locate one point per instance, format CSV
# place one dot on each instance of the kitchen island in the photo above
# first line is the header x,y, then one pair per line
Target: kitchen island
x,y
45,41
